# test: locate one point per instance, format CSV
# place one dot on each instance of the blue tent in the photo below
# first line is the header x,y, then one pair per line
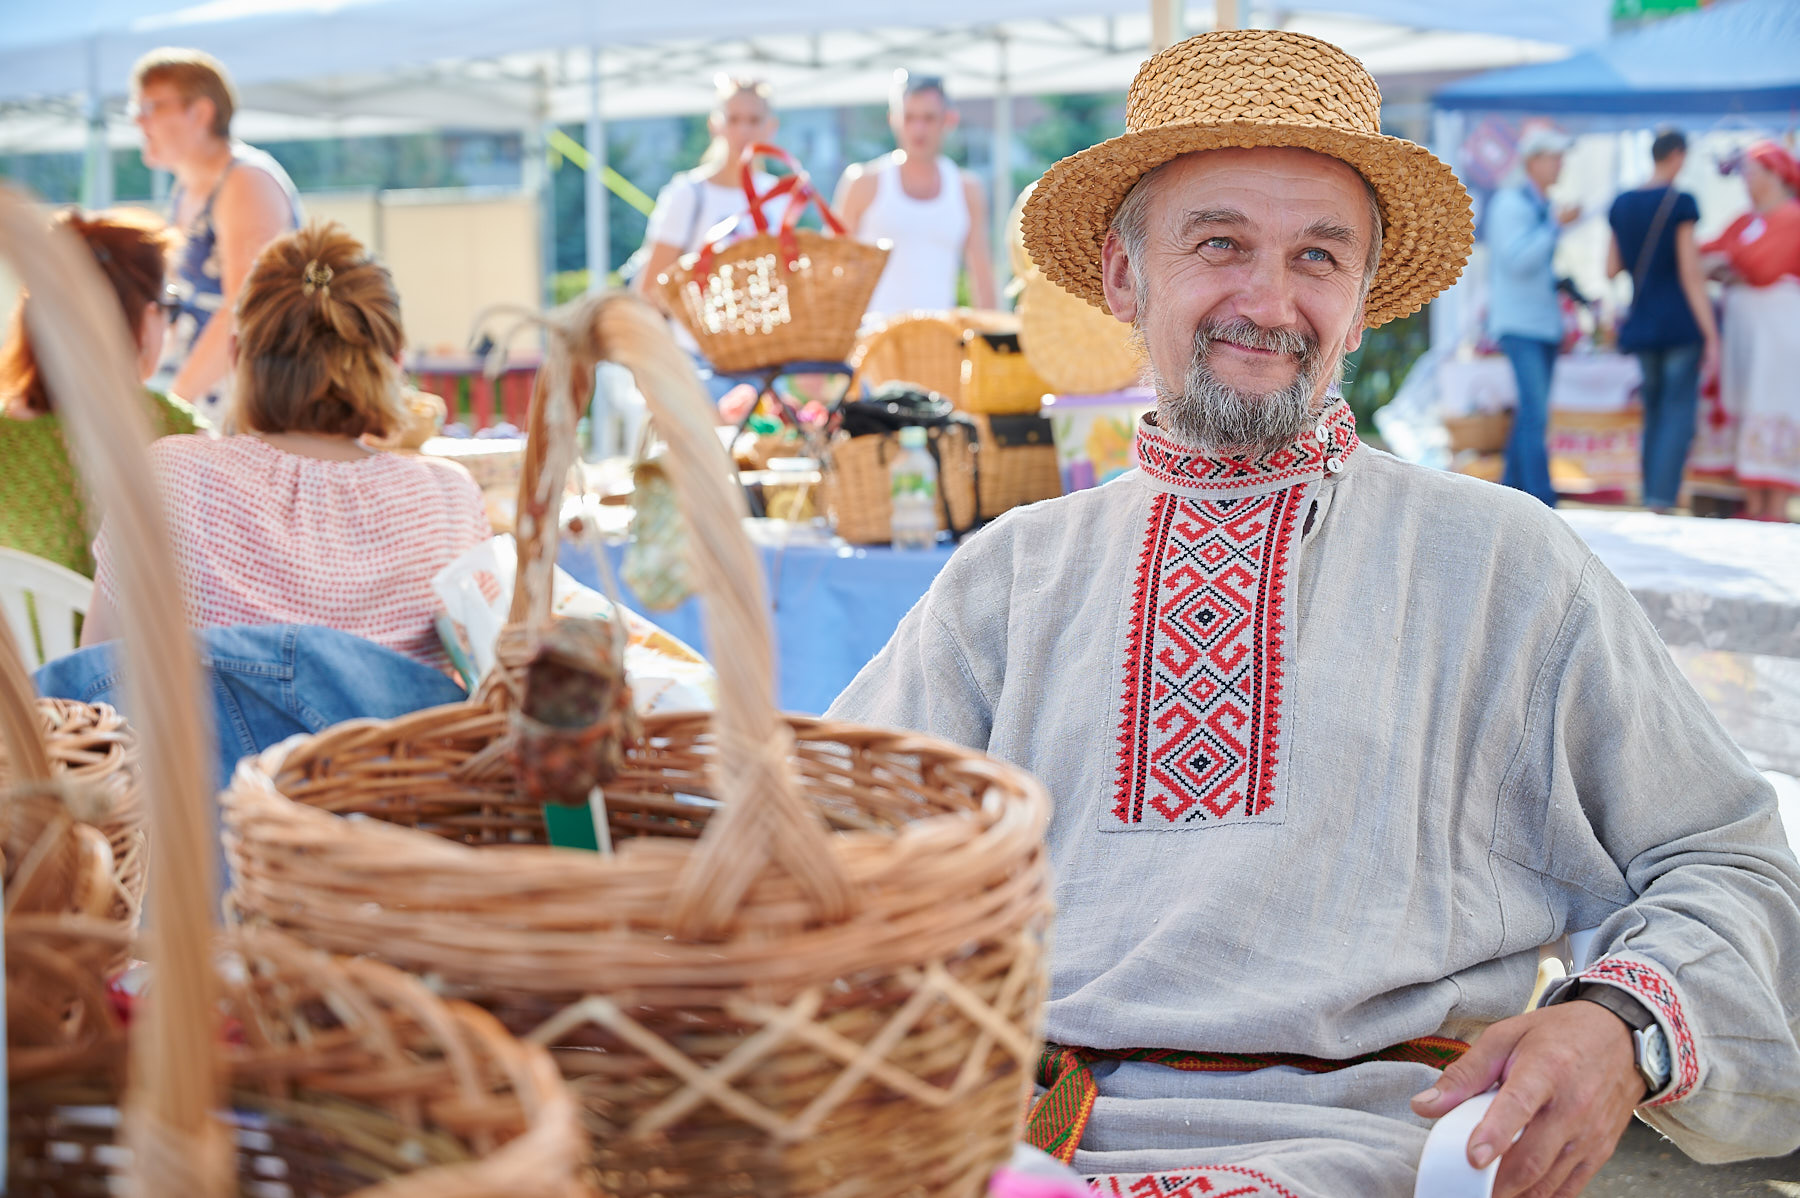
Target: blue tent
x,y
1735,56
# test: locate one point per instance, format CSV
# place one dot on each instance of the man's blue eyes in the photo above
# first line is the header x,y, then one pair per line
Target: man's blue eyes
x,y
1225,243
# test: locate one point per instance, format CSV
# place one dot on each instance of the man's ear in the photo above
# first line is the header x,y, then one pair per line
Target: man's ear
x,y
1354,337
1118,279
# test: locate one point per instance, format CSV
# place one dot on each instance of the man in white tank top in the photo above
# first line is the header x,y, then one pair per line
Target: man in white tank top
x,y
933,214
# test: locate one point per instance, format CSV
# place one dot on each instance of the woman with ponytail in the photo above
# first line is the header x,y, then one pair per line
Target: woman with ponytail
x,y
295,518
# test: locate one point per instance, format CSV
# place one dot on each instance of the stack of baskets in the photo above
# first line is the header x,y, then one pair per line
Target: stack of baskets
x,y
974,360
340,1076
815,963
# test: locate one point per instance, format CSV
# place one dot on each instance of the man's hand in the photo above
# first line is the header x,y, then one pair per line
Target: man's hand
x,y
1568,1080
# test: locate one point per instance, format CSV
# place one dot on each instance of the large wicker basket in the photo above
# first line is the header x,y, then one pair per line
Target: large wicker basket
x,y
1077,348
855,487
790,295
998,380
923,348
814,966
342,1076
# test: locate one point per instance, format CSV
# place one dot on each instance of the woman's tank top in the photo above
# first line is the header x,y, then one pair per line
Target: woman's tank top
x,y
198,275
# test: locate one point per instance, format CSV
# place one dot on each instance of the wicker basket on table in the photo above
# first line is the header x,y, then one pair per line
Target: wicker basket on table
x,y
71,824
924,349
815,965
790,295
855,489
339,1075
998,379
1018,462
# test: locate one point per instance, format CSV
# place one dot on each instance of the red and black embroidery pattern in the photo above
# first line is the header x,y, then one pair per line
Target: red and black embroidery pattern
x,y
1169,462
1200,727
1211,1181
1649,985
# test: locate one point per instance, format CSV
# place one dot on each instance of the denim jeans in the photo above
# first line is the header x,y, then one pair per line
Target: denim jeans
x,y
1671,395
1527,449
270,682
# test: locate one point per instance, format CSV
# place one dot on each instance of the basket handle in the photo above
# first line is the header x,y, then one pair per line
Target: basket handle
x,y
764,820
18,715
178,1149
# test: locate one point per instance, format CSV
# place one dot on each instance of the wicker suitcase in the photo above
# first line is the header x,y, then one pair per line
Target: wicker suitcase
x,y
1018,462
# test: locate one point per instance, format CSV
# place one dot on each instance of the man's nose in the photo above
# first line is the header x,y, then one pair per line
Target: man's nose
x,y
1266,295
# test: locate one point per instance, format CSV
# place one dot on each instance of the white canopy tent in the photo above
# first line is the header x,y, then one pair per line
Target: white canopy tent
x,y
329,68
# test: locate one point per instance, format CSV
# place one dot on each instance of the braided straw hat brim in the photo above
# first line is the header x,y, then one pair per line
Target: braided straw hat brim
x,y
1427,224
1243,88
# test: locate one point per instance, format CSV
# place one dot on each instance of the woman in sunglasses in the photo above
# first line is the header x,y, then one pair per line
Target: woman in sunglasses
x,y
41,510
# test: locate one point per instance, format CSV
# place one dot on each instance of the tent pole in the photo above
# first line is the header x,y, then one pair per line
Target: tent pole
x,y
97,172
537,184
1002,198
598,235
1165,24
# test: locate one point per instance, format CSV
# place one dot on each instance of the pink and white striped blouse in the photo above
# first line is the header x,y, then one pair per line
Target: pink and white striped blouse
x,y
263,536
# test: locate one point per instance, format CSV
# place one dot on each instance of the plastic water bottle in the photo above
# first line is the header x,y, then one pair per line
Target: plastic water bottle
x,y
913,487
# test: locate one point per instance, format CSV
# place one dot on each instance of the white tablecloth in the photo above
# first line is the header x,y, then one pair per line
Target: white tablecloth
x,y
1580,383
1725,597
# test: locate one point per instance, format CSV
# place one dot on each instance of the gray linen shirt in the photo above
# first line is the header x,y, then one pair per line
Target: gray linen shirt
x,y
1484,745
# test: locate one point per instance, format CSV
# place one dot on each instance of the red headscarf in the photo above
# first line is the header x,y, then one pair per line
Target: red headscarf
x,y
1771,156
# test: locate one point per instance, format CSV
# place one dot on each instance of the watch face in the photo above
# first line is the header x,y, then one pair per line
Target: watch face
x,y
1653,1056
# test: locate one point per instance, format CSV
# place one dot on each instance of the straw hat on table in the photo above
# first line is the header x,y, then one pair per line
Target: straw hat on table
x,y
1258,87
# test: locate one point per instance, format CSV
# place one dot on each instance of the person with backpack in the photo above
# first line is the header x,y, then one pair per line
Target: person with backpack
x,y
1669,325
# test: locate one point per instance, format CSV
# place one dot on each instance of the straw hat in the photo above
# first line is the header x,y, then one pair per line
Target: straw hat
x,y
1258,87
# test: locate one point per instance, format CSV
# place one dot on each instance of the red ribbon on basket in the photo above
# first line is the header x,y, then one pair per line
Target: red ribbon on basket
x,y
797,186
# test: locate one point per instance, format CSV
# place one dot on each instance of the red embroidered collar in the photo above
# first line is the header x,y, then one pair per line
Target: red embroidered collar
x,y
1171,465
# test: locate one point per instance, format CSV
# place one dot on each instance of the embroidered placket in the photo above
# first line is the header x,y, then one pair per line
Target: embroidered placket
x,y
1200,718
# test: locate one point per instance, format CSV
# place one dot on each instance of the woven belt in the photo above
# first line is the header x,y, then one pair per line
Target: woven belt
x,y
1058,1119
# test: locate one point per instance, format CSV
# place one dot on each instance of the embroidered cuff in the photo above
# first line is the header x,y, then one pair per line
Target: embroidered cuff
x,y
1651,986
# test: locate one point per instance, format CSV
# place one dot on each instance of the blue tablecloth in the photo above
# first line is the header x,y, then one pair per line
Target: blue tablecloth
x,y
833,610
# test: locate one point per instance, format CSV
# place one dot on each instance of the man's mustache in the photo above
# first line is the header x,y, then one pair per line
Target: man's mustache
x,y
1243,331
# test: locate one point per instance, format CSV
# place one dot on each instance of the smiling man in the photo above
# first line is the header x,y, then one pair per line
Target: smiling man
x,y
1336,742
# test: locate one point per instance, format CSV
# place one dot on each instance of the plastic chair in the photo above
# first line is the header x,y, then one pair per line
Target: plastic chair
x,y
56,593
1444,1168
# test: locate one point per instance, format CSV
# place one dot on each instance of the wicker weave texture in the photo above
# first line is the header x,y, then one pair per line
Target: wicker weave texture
x,y
751,311
1078,348
1258,87
924,349
856,1008
855,489
1015,475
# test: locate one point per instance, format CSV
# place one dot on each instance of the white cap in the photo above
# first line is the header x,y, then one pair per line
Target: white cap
x,y
1542,139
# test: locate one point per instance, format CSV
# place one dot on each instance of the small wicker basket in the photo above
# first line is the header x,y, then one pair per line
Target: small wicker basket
x,y
1483,432
815,965
855,488
71,825
791,295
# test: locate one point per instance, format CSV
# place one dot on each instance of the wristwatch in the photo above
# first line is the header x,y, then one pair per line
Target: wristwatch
x,y
1648,1044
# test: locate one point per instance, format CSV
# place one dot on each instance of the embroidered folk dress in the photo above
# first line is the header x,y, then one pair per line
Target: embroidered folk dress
x,y
1335,743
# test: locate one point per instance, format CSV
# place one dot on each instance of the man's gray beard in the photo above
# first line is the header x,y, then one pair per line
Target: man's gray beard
x,y
1212,415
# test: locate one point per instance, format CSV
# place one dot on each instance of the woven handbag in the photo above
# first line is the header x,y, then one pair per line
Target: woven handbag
x,y
340,1077
791,295
997,377
815,963
1018,462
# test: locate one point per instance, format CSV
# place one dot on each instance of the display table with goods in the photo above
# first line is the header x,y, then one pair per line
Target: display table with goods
x,y
795,957
238,1062
1596,426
